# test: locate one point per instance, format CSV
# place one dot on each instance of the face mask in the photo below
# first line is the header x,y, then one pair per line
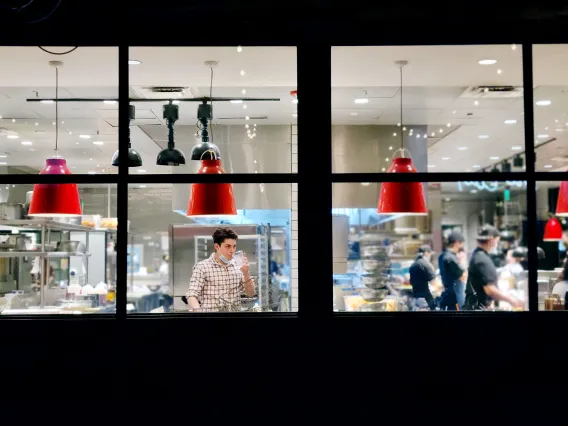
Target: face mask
x,y
224,259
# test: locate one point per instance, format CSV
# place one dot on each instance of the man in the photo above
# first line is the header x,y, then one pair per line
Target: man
x,y
451,272
217,282
421,273
482,275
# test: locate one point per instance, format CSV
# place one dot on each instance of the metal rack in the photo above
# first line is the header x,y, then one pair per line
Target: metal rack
x,y
45,226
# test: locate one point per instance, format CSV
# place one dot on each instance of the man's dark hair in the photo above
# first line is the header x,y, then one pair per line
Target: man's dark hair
x,y
222,234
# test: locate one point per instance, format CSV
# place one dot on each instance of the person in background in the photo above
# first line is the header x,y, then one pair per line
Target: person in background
x,y
461,282
452,274
561,286
217,282
421,273
482,279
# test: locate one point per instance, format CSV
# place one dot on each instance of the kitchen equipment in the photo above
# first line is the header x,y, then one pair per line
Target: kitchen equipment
x,y
11,211
18,242
374,252
371,295
372,307
71,247
371,265
551,302
375,281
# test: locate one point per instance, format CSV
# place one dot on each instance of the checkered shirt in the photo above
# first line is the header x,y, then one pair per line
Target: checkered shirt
x,y
215,285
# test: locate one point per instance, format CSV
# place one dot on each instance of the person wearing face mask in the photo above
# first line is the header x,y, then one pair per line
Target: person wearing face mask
x,y
421,273
452,274
217,281
482,279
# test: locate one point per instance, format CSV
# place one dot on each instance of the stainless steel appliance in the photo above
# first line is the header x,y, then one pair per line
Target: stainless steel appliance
x,y
190,244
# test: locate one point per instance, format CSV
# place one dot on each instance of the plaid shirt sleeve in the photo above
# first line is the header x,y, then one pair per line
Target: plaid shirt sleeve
x,y
196,282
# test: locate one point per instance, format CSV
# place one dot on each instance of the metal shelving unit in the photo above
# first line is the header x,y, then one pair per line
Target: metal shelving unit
x,y
45,226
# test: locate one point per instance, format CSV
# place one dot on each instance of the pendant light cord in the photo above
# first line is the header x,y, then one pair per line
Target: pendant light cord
x,y
56,108
211,99
401,122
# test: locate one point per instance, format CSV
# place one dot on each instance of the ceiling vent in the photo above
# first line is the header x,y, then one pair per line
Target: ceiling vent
x,y
492,92
160,92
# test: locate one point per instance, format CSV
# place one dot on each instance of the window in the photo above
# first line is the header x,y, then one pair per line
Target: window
x,y
453,108
207,111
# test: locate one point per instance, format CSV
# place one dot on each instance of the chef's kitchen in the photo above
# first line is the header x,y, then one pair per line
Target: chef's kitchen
x,y
216,110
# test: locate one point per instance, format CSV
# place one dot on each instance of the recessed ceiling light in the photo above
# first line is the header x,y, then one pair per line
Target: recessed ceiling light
x,y
548,166
26,143
361,101
560,129
92,173
387,159
353,113
247,118
242,73
476,166
544,102
513,46
47,101
449,125
98,143
2,163
487,62
499,71
494,158
394,134
244,92
236,101
239,49
109,102
441,130
12,136
134,62
476,103
85,136
431,166
433,134
516,148
446,158
510,121
13,120
141,171
454,111
390,148
462,148
365,183
542,136
483,136
3,156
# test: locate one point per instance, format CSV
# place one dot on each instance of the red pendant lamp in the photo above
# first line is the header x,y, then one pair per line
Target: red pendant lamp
x,y
552,230
562,202
211,199
402,197
55,200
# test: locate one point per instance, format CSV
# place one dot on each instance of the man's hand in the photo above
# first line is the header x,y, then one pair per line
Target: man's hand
x,y
517,303
245,268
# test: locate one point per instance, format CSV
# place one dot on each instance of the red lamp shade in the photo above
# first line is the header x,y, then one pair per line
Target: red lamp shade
x,y
55,200
552,230
562,203
402,197
211,199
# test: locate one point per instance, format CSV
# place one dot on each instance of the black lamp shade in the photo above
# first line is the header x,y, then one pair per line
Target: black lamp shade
x,y
170,157
134,158
518,161
506,166
205,151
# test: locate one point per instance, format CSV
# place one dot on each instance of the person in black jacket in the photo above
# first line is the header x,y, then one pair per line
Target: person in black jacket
x,y
452,274
421,273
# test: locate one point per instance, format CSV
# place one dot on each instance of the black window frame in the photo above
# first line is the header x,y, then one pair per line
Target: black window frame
x,y
314,176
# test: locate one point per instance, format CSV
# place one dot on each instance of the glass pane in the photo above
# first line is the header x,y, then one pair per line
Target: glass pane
x,y
53,261
552,211
550,119
462,108
165,245
86,130
250,125
391,262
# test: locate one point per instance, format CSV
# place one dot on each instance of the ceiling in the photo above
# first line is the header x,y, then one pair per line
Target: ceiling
x,y
435,81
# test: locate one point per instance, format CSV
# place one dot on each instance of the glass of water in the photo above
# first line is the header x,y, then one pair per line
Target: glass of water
x,y
239,258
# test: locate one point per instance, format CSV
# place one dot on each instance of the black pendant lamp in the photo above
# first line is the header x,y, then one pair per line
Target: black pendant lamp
x,y
134,158
170,156
205,150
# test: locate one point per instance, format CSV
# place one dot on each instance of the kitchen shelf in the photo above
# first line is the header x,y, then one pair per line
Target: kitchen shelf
x,y
50,224
48,254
